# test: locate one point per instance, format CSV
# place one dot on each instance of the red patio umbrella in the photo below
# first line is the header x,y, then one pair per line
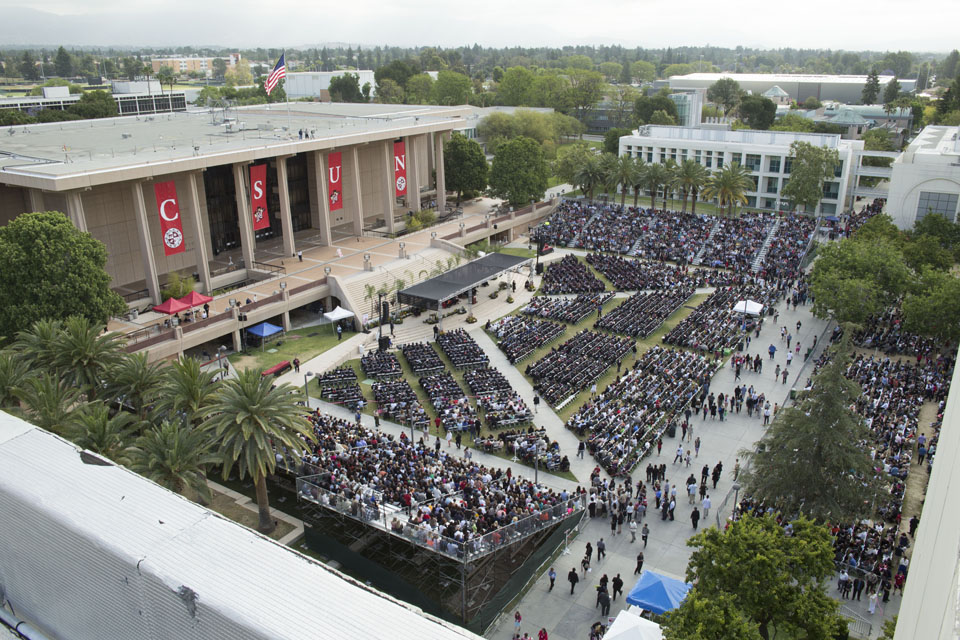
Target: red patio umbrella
x,y
171,306
194,299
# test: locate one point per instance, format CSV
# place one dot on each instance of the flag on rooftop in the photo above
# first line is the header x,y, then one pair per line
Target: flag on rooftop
x,y
279,72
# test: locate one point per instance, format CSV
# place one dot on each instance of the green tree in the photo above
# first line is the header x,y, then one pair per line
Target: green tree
x,y
28,66
84,354
63,63
726,93
947,70
715,618
812,166
37,345
689,179
661,117
812,103
178,285
419,89
519,173
643,71
811,460
175,455
186,389
624,175
465,165
452,88
925,251
623,97
389,92
677,69
611,70
611,139
570,158
346,88
399,71
219,68
644,107
49,269
729,186
551,90
586,90
47,402
656,176
793,122
775,580
946,232
757,111
892,91
249,420
135,381
889,626
95,104
934,309
166,76
14,372
514,88
588,175
871,90
92,427
639,179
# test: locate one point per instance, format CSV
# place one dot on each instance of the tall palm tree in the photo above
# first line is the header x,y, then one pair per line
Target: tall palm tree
x,y
624,174
639,178
14,372
655,176
608,173
136,381
48,401
588,175
689,179
91,427
729,186
186,389
84,354
175,454
37,345
248,420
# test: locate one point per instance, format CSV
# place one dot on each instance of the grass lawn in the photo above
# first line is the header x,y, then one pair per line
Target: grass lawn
x,y
300,343
228,507
519,251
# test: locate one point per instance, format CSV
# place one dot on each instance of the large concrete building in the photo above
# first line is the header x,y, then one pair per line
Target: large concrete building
x,y
925,178
798,86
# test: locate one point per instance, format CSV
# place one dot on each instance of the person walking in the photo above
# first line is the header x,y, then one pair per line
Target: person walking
x,y
589,552
696,447
695,517
542,634
639,563
601,550
644,534
617,584
766,414
633,531
679,455
516,621
296,365
604,603
339,333
536,404
581,448
705,503
573,579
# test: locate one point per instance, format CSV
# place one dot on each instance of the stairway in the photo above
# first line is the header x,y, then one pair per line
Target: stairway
x,y
762,254
575,241
699,257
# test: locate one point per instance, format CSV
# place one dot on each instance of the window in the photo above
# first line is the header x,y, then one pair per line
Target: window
x,y
753,162
828,209
831,190
751,201
696,156
736,158
932,202
774,165
649,156
719,161
756,183
787,165
772,185
838,170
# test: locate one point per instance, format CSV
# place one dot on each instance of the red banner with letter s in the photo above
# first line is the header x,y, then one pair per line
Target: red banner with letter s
x,y
171,225
400,167
334,181
258,196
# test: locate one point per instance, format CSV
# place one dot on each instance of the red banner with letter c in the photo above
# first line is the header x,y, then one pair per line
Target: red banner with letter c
x,y
171,225
258,196
335,181
400,167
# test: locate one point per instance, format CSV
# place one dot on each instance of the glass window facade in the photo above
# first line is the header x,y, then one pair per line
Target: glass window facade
x,y
774,165
944,204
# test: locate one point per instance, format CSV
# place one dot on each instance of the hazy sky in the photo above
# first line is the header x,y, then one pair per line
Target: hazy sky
x,y
835,24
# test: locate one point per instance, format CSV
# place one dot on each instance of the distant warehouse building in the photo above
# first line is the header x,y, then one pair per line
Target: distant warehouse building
x,y
316,84
798,86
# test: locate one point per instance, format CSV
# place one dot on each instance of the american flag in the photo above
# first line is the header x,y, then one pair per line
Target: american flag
x,y
279,72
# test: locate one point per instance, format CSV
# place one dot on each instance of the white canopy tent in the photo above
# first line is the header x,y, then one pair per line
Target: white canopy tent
x,y
338,314
748,307
630,626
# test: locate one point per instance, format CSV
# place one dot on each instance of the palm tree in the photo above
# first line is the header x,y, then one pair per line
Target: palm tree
x,y
608,173
249,419
136,381
37,345
175,455
729,186
13,374
639,178
186,389
84,354
655,176
91,427
624,174
48,401
689,179
588,176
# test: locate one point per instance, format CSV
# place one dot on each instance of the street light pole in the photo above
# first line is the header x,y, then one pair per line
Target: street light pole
x,y
306,386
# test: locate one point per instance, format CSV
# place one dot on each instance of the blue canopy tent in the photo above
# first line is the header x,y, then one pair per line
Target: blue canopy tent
x,y
263,331
658,593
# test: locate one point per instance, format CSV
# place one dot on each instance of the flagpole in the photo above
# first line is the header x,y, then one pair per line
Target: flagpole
x,y
287,97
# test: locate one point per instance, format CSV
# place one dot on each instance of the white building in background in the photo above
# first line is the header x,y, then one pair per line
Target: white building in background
x,y
689,107
798,86
316,84
926,177
764,153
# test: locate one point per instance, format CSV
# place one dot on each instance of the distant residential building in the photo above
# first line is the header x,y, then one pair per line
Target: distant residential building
x,y
798,86
184,65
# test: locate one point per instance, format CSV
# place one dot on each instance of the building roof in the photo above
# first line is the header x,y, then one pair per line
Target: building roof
x,y
779,78
776,92
847,118
430,293
941,141
739,136
131,147
92,550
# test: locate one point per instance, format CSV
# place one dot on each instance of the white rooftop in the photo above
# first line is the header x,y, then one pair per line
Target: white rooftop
x,y
739,136
941,141
780,77
98,552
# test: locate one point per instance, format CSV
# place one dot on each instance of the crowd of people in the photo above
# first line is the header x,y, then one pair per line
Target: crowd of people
x,y
885,332
612,228
672,236
501,405
642,313
348,395
576,364
519,336
447,503
570,310
397,401
565,224
639,275
736,242
569,275
340,375
462,350
381,365
454,412
788,247
422,358
622,421
714,325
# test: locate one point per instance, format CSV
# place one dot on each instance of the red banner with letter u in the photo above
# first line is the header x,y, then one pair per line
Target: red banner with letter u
x,y
258,196
171,225
335,181
400,167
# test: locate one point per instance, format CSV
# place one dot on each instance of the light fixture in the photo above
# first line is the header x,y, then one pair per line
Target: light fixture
x,y
283,285
433,234
327,270
366,257
402,245
233,302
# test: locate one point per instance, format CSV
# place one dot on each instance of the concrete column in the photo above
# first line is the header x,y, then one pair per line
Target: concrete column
x,y
354,160
389,195
431,163
236,340
146,248
75,210
441,179
321,212
286,218
413,174
200,248
285,317
36,199
248,242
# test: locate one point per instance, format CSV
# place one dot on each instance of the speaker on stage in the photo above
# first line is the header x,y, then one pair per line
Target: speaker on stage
x,y
384,343
385,313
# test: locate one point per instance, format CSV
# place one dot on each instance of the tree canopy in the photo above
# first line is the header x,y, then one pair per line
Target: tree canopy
x,y
346,88
49,269
725,92
465,166
519,173
812,166
871,90
757,111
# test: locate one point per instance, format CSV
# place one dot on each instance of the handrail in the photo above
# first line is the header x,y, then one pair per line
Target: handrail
x,y
136,295
163,336
266,266
306,287
187,327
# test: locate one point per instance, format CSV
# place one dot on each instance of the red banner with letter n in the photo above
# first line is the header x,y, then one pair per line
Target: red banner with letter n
x,y
258,196
171,225
400,167
334,181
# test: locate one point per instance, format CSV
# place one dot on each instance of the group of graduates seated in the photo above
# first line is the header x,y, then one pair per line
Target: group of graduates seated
x,y
397,401
448,503
338,376
566,223
519,336
643,313
422,357
570,310
638,275
672,236
381,365
450,402
622,421
885,332
502,406
736,242
612,228
462,350
525,445
349,395
576,364
569,275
